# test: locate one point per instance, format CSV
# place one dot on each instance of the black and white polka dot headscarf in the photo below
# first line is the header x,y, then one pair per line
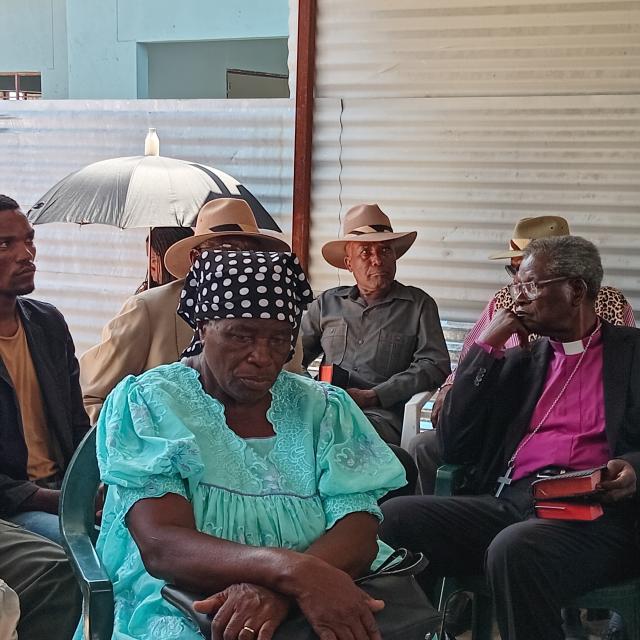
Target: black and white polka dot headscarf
x,y
244,284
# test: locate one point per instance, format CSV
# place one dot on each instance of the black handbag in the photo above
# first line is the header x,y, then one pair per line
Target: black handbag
x,y
407,615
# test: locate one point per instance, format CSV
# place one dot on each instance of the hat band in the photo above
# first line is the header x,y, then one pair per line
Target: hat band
x,y
233,226
518,244
371,228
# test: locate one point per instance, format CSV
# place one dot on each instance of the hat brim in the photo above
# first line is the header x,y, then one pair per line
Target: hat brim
x,y
177,259
334,251
505,255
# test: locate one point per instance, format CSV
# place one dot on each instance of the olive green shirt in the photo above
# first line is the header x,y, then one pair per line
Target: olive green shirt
x,y
394,346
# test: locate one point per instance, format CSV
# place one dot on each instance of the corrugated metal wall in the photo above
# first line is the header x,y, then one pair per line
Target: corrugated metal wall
x,y
89,271
461,116
427,48
458,116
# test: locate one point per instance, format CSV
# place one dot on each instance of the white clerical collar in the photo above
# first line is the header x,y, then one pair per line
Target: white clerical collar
x,y
576,346
572,348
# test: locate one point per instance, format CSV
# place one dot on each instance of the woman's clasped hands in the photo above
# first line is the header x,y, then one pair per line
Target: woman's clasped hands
x,y
245,612
335,607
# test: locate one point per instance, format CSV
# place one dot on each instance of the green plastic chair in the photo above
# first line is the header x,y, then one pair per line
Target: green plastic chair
x,y
623,597
79,533
449,478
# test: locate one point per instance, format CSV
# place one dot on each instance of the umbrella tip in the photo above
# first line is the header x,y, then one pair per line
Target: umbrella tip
x,y
152,143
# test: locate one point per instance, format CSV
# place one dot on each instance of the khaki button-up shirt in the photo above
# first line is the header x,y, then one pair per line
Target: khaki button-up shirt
x,y
394,346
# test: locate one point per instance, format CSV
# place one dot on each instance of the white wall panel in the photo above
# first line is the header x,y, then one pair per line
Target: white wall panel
x,y
409,48
89,271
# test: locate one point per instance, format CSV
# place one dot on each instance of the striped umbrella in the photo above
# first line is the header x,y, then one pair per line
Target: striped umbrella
x,y
141,191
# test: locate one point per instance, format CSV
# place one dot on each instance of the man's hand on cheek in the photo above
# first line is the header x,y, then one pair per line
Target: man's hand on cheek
x,y
503,325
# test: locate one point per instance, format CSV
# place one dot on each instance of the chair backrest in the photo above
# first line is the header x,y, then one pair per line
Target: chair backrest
x,y
77,511
455,334
79,534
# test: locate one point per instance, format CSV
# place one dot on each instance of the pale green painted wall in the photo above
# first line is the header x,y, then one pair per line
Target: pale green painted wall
x,y
160,20
34,38
101,65
90,48
199,69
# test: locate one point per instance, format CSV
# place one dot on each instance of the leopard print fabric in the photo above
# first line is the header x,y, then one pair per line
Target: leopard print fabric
x,y
610,305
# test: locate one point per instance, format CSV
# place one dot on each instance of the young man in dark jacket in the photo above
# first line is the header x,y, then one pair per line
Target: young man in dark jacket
x,y
42,419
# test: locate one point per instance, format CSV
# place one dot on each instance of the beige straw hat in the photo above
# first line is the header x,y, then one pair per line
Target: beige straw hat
x,y
528,229
221,217
366,223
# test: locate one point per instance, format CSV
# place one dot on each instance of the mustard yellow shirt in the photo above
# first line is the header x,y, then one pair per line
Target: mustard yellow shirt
x,y
16,356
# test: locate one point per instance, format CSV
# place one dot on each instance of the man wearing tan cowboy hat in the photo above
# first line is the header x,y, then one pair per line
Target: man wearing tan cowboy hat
x,y
147,332
610,305
385,335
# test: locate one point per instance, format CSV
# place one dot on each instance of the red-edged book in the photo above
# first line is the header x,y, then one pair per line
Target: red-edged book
x,y
561,510
334,374
568,485
568,496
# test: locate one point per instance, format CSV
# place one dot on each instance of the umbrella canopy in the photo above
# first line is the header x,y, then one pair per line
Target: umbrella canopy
x,y
141,191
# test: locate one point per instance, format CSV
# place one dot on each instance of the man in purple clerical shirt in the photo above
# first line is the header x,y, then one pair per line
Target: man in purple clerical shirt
x,y
569,401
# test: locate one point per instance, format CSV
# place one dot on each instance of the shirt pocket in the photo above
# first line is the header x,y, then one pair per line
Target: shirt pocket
x,y
334,342
394,352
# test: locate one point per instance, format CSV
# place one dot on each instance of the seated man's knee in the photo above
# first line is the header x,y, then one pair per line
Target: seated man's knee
x,y
510,549
383,427
425,448
417,442
63,572
397,523
410,469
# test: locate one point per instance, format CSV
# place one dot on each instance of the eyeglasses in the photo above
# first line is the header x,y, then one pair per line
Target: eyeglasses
x,y
511,270
531,290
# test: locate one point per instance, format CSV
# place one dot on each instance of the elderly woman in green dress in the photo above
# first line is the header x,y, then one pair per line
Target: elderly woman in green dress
x,y
230,477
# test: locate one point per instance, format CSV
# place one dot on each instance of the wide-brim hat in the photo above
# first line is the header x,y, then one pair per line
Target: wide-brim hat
x,y
221,217
366,223
528,229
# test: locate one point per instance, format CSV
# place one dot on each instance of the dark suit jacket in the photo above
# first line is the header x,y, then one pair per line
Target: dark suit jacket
x,y
55,363
489,407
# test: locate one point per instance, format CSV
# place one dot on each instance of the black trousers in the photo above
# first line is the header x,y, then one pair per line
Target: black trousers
x,y
533,566
425,450
410,470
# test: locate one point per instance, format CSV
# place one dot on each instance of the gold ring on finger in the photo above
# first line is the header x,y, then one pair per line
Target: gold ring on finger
x,y
246,633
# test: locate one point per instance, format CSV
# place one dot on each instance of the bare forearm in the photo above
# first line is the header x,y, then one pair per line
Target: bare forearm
x,y
42,500
173,550
203,563
350,545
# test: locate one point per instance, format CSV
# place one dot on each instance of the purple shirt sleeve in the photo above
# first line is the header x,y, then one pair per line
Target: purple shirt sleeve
x,y
492,351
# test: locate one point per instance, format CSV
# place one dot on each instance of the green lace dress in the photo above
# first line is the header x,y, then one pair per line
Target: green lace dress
x,y
160,433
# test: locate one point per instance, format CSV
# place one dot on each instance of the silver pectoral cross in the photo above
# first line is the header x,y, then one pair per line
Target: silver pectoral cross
x,y
504,480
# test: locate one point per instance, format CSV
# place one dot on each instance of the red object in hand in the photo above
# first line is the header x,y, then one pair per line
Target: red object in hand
x,y
568,485
334,374
326,373
568,496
